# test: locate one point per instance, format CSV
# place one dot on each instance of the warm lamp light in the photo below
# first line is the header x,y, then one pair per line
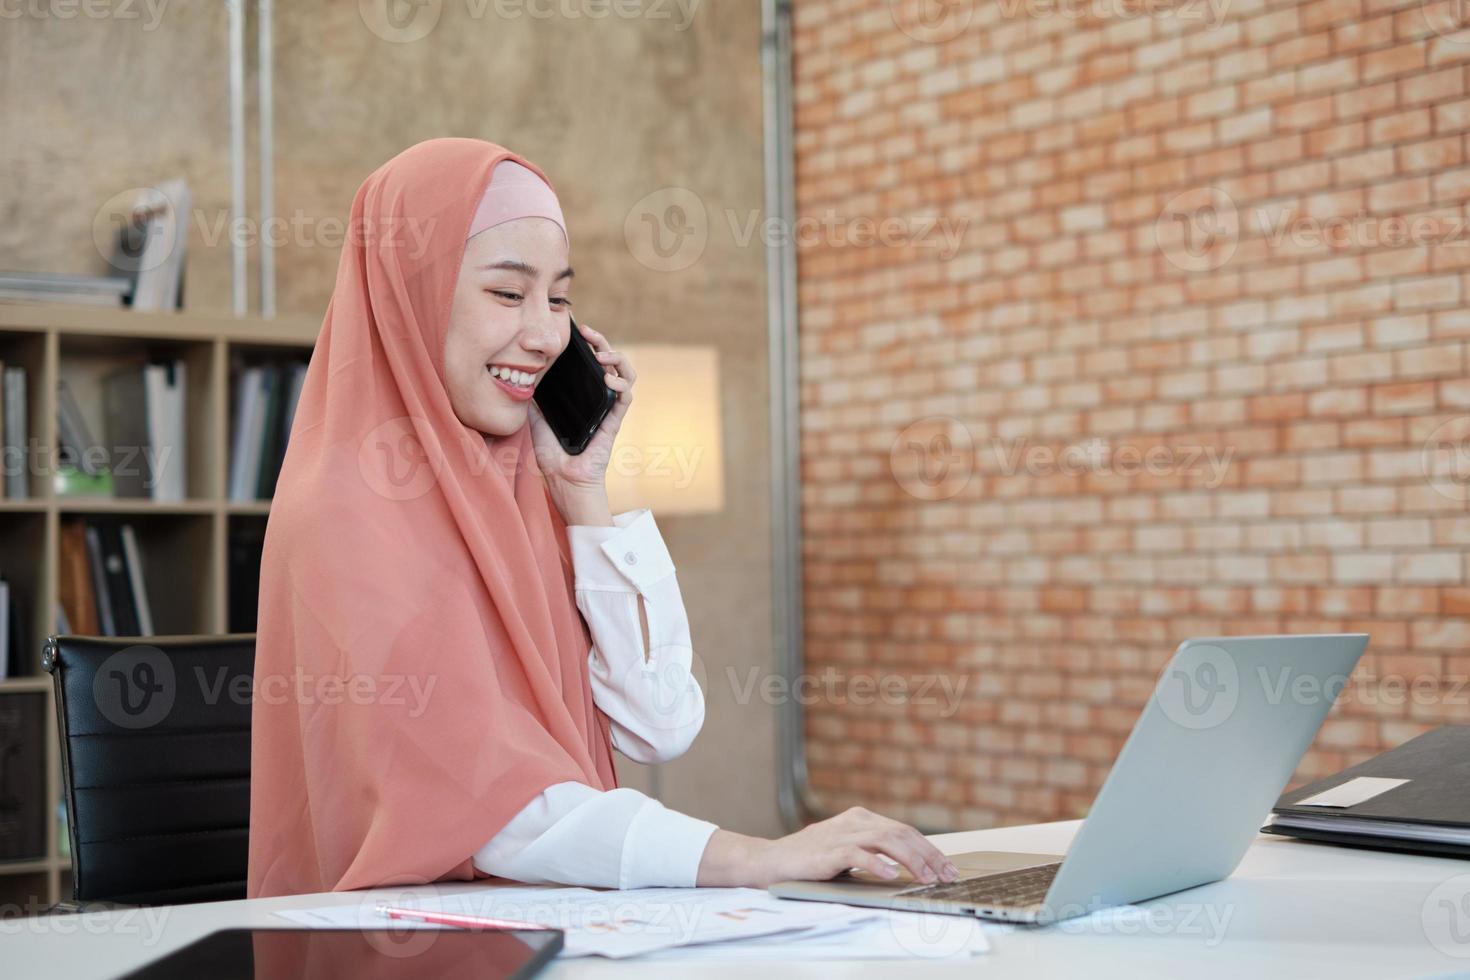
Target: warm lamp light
x,y
669,454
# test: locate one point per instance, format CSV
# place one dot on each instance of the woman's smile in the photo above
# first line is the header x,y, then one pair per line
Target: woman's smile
x,y
515,382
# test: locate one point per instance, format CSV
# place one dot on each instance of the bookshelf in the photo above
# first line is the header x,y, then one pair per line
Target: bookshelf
x,y
184,543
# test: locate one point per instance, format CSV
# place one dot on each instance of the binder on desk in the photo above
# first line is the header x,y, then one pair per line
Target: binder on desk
x,y
1427,811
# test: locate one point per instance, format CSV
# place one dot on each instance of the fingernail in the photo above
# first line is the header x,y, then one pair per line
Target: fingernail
x,y
888,871
951,872
926,875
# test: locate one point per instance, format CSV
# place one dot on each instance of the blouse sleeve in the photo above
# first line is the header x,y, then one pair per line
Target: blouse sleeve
x,y
649,694
572,833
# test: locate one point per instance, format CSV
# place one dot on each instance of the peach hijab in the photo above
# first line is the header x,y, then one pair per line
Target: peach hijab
x,y
421,666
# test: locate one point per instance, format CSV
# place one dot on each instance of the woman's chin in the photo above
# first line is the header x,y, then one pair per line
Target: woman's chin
x,y
501,422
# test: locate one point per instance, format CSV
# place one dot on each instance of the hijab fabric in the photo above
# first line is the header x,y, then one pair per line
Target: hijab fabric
x,y
421,670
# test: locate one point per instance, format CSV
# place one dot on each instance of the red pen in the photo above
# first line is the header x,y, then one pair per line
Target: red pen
x,y
456,919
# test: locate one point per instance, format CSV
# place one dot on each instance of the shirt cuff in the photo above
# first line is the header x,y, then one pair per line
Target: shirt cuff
x,y
663,848
628,557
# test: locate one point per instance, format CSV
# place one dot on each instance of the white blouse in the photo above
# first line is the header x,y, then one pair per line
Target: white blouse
x,y
574,834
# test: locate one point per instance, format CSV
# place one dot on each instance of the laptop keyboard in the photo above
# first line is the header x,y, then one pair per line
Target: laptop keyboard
x,y
1023,887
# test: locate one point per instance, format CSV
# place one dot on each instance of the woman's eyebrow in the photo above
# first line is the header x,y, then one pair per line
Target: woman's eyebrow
x,y
513,265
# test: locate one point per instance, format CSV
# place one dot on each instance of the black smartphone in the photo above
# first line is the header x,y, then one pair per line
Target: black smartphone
x,y
573,396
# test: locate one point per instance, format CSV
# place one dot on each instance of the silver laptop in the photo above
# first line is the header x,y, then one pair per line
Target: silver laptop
x,y
1227,723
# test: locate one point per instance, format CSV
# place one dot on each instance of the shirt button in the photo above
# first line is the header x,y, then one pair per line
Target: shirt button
x,y
630,558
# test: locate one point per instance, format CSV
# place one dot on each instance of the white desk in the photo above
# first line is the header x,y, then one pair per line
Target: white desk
x,y
1291,910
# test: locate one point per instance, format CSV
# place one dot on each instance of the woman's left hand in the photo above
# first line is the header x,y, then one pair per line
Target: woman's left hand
x,y
586,473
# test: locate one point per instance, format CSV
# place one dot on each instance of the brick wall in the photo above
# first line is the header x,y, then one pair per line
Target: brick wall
x,y
1118,329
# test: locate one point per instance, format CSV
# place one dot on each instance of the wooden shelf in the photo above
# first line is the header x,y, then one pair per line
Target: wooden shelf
x,y
184,544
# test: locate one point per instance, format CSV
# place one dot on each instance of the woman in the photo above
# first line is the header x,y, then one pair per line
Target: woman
x,y
429,702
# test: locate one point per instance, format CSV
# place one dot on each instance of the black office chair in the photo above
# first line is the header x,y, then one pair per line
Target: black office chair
x,y
155,758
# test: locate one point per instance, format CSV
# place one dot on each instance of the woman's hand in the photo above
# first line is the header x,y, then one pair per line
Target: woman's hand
x,y
852,839
578,484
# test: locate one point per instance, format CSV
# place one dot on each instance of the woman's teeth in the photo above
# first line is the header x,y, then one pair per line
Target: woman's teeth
x,y
518,378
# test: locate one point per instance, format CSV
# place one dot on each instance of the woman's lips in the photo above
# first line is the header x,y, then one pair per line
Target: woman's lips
x,y
515,391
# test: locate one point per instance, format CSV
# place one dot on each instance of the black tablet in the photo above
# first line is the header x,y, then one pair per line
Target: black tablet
x,y
384,954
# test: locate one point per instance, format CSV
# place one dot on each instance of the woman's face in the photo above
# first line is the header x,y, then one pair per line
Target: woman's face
x,y
510,314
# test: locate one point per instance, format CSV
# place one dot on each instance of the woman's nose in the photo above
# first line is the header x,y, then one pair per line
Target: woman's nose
x,y
541,336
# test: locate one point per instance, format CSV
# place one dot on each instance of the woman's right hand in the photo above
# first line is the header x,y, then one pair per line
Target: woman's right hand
x,y
853,839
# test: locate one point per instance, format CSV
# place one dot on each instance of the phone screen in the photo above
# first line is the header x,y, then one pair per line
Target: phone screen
x,y
573,396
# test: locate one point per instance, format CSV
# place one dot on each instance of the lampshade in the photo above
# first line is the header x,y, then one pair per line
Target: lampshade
x,y
669,452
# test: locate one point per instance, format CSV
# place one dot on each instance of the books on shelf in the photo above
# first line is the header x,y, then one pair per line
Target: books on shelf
x,y
266,396
45,287
145,455
144,405
13,429
103,586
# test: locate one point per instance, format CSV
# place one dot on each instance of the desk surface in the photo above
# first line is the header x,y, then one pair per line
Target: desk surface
x,y
1291,909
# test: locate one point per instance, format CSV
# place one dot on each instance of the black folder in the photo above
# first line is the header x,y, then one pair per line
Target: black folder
x,y
1429,814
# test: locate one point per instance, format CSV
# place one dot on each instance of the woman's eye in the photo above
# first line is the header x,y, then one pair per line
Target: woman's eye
x,y
561,302
514,297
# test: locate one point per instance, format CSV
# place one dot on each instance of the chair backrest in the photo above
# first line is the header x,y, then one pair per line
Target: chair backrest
x,y
155,756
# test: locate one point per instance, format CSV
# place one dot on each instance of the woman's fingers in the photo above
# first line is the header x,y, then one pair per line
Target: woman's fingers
x,y
903,843
853,856
902,849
